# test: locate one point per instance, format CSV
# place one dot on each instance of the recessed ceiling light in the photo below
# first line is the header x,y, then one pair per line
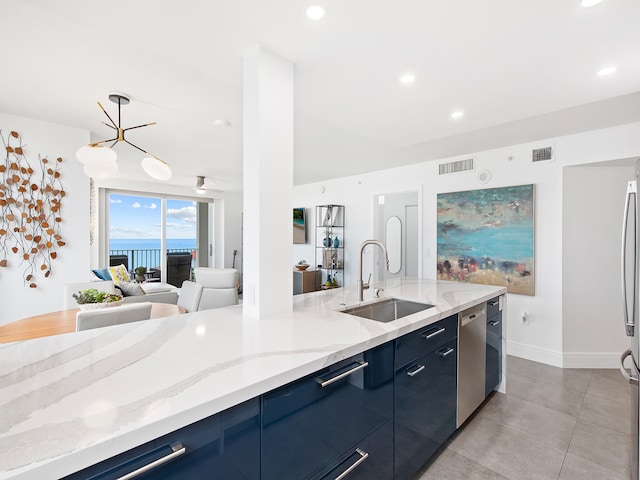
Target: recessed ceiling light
x,y
457,114
589,3
315,12
219,122
606,71
407,78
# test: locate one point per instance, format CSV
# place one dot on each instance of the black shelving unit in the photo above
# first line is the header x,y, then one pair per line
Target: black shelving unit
x,y
329,251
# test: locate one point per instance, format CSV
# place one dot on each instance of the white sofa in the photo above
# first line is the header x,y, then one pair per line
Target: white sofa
x,y
220,287
154,292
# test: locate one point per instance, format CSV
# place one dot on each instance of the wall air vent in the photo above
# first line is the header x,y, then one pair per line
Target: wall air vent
x,y
456,167
542,154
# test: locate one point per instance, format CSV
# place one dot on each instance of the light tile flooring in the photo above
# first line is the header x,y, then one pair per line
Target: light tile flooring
x,y
553,423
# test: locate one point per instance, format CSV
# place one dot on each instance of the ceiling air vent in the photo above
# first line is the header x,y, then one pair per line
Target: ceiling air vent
x,y
456,167
542,154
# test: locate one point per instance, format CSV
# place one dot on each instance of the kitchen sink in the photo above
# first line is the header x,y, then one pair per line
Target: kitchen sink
x,y
387,310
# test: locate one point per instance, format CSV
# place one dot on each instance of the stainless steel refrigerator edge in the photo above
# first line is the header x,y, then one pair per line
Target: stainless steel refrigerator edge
x,y
630,262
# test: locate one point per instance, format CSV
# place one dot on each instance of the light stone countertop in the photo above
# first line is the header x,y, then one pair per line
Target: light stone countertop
x,y
73,400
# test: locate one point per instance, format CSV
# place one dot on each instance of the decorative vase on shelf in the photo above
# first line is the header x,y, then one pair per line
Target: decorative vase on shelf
x,y
328,282
336,242
327,241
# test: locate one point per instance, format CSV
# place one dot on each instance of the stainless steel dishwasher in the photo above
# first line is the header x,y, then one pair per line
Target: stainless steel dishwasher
x,y
472,341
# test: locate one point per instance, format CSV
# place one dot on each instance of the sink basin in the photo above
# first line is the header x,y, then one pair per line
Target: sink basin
x,y
387,310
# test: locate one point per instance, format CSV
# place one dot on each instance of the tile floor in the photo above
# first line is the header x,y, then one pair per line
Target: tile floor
x,y
552,423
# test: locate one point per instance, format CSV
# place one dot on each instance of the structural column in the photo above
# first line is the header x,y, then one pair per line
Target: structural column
x,y
268,183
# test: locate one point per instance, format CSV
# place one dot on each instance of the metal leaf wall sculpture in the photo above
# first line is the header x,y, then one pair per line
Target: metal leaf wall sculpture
x,y
30,210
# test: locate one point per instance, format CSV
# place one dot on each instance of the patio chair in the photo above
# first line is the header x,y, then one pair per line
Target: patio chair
x,y
178,267
115,260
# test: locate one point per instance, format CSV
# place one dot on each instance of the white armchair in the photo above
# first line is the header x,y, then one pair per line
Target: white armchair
x,y
220,287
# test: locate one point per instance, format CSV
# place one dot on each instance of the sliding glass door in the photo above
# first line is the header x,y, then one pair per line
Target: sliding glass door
x,y
163,235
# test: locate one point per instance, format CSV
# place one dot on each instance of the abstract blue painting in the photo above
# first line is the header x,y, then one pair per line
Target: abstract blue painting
x,y
487,236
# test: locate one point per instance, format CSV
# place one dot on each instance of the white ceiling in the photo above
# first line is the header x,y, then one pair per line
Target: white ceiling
x,y
521,71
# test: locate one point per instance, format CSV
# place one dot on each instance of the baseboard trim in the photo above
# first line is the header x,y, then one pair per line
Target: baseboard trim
x,y
591,360
536,354
564,359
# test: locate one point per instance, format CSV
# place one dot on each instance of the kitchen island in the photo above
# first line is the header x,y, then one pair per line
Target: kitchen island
x,y
73,400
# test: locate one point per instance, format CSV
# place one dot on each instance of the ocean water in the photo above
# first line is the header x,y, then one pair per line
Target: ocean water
x,y
150,243
146,251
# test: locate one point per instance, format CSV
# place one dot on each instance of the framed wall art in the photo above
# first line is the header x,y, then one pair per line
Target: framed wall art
x,y
487,236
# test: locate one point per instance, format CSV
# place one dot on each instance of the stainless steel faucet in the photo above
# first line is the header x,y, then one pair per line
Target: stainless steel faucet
x,y
361,285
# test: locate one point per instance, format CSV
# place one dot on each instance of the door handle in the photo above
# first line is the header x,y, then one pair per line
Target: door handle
x,y
630,379
443,353
416,370
494,323
631,193
177,450
427,336
360,365
363,456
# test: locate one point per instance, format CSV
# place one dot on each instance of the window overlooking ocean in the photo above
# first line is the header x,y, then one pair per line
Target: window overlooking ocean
x,y
136,228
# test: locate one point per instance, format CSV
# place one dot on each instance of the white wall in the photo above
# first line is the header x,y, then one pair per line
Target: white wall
x,y
542,339
51,140
593,199
228,230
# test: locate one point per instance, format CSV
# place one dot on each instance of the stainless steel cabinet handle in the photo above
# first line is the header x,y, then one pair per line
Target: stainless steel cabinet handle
x,y
417,370
494,303
427,336
631,193
444,353
630,379
363,456
360,366
494,323
178,450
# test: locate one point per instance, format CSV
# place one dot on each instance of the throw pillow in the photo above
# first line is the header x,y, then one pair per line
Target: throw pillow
x,y
130,289
119,274
102,273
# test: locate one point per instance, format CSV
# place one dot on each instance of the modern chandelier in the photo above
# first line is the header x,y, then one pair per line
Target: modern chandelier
x,y
100,160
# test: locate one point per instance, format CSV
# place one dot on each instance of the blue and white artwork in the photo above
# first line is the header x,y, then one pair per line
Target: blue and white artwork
x,y
486,236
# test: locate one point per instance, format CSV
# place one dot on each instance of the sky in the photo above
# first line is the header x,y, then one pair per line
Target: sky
x,y
139,217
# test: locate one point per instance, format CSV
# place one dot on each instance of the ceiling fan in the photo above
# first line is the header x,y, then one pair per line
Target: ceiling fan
x,y
204,185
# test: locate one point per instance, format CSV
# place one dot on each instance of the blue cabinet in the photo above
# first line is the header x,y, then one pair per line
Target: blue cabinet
x,y
494,346
225,445
318,423
369,458
425,398
380,414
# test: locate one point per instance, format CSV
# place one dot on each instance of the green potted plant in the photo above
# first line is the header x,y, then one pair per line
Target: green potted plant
x,y
140,272
92,298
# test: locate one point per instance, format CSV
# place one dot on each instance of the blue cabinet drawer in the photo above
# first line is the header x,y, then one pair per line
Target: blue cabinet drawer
x,y
425,408
493,306
370,458
412,345
225,445
310,424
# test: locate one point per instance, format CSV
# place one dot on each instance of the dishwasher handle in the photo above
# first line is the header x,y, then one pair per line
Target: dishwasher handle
x,y
472,315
